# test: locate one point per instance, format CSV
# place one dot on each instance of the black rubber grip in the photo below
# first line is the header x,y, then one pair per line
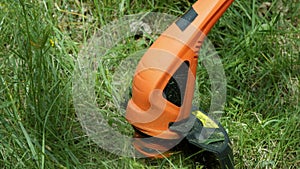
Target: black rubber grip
x,y
186,19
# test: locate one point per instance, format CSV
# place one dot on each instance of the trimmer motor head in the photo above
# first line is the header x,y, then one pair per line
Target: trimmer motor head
x,y
160,109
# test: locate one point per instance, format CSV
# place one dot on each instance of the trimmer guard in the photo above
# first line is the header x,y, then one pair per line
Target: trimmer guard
x,y
205,136
209,135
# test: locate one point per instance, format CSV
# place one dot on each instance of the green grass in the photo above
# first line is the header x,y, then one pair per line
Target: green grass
x,y
40,41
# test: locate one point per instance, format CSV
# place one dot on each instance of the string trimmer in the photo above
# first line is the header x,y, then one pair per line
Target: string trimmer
x,y
160,109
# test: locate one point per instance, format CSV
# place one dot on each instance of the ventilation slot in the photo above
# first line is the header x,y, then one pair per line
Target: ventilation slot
x,y
175,89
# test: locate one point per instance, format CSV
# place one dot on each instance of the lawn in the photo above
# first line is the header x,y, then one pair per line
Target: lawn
x,y
40,42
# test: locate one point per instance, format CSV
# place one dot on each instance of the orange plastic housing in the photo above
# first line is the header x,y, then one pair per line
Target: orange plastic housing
x,y
148,110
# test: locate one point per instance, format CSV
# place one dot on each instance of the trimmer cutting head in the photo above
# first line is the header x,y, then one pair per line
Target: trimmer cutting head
x,y
163,87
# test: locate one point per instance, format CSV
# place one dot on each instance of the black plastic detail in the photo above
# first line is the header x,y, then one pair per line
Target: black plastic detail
x,y
175,89
186,19
217,152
